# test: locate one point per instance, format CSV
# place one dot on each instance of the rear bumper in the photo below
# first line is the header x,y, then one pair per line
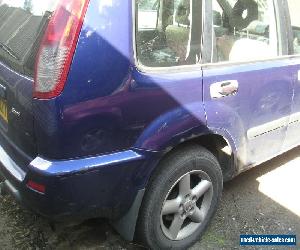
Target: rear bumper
x,y
101,186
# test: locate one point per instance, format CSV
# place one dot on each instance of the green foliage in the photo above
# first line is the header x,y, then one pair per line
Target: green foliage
x,y
148,4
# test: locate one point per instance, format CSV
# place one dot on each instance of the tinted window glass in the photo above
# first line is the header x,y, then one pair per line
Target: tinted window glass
x,y
22,23
168,32
244,31
294,6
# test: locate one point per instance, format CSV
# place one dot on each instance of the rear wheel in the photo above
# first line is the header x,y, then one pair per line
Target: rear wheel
x,y
180,200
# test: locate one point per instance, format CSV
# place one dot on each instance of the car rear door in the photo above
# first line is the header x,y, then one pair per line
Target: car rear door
x,y
248,90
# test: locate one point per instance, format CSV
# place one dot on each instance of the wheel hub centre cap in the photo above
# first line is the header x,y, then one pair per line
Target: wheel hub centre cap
x,y
188,206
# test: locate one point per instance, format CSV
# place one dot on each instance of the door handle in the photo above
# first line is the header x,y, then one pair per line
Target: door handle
x,y
223,89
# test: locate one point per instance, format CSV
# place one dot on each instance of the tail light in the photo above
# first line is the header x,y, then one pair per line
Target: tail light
x,y
57,48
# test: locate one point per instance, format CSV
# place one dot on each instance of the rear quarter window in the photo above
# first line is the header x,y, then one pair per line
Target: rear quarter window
x,y
168,33
22,23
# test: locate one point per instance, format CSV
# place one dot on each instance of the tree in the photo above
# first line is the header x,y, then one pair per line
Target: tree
x,y
148,4
28,5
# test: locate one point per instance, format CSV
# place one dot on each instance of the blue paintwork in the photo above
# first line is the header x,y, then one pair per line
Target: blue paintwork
x,y
265,94
18,135
97,144
108,100
292,139
103,186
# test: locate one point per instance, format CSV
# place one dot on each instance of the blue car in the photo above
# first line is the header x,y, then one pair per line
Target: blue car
x,y
137,111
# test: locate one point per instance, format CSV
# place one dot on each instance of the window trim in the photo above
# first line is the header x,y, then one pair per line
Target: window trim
x,y
243,63
171,69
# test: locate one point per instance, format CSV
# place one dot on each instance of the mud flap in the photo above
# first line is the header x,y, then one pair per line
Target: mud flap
x,y
126,225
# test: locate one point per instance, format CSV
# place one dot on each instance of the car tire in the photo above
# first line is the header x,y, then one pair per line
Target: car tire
x,y
174,213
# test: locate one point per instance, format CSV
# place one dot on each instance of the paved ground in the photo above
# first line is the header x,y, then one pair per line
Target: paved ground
x,y
264,200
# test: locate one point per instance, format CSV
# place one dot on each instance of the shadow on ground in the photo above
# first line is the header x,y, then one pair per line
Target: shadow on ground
x,y
259,201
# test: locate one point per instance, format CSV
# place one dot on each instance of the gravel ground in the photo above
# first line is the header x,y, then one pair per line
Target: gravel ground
x,y
264,200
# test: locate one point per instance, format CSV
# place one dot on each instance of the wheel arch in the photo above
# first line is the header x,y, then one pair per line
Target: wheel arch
x,y
219,143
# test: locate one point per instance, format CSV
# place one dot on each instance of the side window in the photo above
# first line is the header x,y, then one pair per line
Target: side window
x,y
245,30
168,32
294,7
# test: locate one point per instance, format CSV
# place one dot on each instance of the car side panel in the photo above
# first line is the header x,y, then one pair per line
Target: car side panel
x,y
257,115
108,104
